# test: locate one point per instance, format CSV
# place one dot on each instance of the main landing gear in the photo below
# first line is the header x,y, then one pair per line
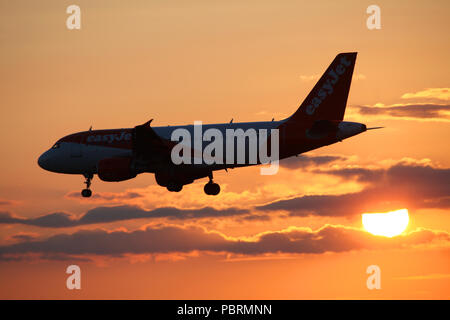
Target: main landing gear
x,y
86,193
211,188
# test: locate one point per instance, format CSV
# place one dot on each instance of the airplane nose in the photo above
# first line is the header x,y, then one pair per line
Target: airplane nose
x,y
43,161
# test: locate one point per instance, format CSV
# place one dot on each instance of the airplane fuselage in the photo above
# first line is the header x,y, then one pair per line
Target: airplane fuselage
x,y
79,153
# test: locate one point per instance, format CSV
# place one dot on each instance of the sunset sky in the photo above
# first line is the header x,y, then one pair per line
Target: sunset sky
x,y
294,235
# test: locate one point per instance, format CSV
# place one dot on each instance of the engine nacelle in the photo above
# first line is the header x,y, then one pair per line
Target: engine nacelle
x,y
115,169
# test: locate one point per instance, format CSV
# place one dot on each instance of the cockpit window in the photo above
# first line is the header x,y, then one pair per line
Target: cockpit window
x,y
56,145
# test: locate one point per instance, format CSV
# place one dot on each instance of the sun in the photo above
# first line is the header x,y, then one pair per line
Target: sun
x,y
387,224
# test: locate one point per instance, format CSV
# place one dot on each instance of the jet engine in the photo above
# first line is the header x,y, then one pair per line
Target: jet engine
x,y
115,169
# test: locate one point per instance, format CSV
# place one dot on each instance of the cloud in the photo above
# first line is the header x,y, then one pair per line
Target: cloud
x,y
255,217
421,180
410,185
430,104
414,111
303,161
429,93
177,239
23,236
44,256
53,220
118,213
361,174
6,202
407,183
107,196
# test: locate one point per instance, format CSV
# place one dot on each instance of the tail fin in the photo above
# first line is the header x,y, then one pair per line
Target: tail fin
x,y
328,99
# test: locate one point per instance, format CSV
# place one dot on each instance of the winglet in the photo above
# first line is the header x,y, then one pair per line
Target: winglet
x,y
147,124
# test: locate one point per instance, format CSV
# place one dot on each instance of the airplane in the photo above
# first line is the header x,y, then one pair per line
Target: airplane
x,y
121,154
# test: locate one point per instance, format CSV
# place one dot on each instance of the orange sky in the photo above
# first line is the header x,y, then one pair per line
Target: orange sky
x,y
180,61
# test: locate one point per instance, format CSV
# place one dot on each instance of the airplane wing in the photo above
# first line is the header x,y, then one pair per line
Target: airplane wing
x,y
148,145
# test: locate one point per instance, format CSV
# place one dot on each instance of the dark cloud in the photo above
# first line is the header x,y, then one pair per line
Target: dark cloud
x,y
321,205
171,239
5,202
402,185
118,213
53,220
111,214
46,256
24,236
6,217
255,217
422,181
358,173
63,257
303,161
423,111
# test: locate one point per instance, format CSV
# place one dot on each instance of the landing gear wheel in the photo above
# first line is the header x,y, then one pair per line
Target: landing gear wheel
x,y
212,189
86,193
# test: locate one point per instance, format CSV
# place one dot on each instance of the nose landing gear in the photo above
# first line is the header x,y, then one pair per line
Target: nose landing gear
x,y
211,188
86,193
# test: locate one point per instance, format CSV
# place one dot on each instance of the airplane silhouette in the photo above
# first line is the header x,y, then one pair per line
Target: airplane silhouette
x,y
122,154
